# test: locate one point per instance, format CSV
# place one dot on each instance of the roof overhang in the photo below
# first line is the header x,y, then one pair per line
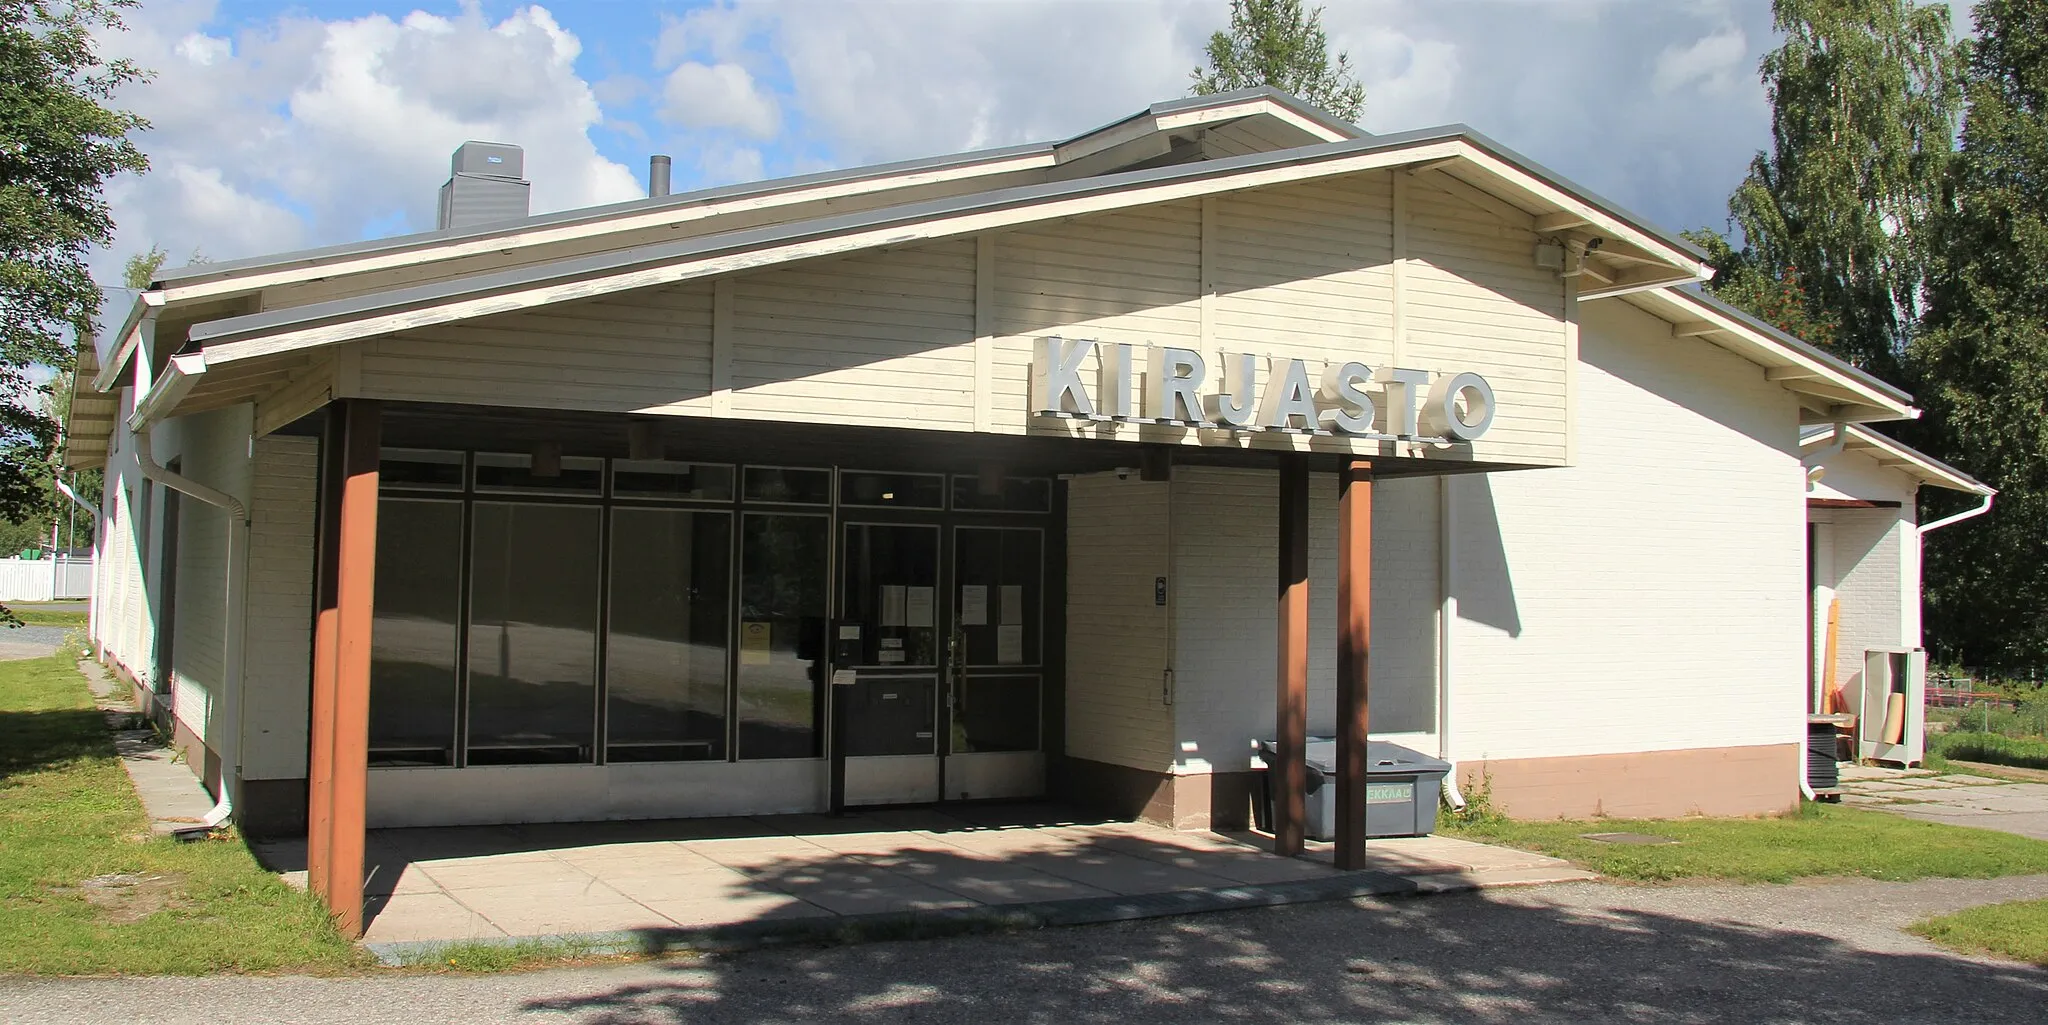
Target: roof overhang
x,y
1895,455
1830,390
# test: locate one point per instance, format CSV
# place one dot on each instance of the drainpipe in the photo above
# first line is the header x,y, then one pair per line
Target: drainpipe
x,y
1833,448
228,709
1447,613
1981,509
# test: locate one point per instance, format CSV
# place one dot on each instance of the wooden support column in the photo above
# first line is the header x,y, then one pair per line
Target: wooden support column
x,y
320,724
1290,719
355,590
1354,643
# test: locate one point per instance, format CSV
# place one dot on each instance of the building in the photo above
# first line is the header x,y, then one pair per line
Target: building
x,y
1047,470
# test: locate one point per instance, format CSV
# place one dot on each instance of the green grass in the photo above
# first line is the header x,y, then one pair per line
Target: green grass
x,y
1991,748
1818,840
548,952
2018,930
68,814
47,615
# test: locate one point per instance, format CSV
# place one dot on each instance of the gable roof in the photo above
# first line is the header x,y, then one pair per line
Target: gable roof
x,y
1896,455
1831,389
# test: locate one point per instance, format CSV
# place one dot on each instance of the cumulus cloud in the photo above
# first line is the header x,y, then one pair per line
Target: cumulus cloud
x,y
303,131
719,96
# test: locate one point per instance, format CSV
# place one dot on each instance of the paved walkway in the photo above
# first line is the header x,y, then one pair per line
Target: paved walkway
x,y
1960,800
636,884
1575,954
171,795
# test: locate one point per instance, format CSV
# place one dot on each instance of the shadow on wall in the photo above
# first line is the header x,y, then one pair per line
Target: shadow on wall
x,y
1485,586
1467,959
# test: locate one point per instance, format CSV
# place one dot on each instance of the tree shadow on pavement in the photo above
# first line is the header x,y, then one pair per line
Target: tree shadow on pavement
x,y
1468,959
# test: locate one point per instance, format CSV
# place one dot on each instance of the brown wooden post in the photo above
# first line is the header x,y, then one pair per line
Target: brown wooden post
x,y
355,590
320,720
1290,719
1354,643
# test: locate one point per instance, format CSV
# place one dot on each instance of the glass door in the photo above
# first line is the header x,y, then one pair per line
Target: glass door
x,y
994,732
888,636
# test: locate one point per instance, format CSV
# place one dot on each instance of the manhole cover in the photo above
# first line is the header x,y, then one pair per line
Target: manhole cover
x,y
1633,839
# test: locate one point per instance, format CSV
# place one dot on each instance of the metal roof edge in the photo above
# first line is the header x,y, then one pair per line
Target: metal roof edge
x,y
1899,448
212,271
1801,345
597,263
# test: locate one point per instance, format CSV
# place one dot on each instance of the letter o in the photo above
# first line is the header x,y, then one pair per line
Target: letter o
x,y
1443,406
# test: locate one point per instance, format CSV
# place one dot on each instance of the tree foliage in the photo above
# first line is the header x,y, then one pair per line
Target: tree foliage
x,y
1864,95
1779,299
59,143
1277,43
1982,356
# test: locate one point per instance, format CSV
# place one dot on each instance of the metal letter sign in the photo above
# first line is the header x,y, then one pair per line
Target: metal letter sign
x,y
1174,391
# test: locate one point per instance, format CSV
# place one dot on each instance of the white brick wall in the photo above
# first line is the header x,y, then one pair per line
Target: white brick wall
x,y
1116,636
1870,579
280,637
1648,598
1225,524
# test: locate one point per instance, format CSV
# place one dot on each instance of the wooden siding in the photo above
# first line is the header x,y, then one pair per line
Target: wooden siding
x,y
917,337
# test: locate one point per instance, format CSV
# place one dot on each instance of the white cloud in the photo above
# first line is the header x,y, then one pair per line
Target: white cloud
x,y
1714,63
302,131
719,96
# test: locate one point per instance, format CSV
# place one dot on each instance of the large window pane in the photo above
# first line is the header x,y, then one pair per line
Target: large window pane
x,y
665,651
782,634
533,633
998,573
996,713
413,636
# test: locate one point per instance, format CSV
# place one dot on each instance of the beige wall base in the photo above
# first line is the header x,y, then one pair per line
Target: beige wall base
x,y
1204,801
1647,784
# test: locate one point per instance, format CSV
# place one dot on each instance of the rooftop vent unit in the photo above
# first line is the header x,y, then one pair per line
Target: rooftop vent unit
x,y
486,183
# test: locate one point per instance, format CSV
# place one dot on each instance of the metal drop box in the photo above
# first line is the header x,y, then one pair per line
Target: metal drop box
x,y
1401,787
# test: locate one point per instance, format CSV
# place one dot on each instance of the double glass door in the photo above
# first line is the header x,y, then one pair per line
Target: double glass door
x,y
937,661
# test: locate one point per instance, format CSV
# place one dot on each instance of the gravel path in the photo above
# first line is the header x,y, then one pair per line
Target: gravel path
x,y
1576,953
30,641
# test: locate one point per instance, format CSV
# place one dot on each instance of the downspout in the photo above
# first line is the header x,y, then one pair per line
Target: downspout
x,y
1812,460
1981,509
228,710
1447,616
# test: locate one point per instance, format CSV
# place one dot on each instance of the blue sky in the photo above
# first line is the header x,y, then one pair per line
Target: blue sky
x,y
285,126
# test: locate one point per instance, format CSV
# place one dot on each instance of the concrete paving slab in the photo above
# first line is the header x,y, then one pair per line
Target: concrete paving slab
x,y
417,917
984,880
1875,786
704,914
473,873
722,884
850,888
1124,874
1972,781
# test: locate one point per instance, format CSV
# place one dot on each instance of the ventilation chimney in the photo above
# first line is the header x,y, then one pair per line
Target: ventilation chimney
x,y
657,175
485,184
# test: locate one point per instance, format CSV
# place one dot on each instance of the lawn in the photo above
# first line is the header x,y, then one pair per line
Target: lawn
x,y
84,889
1992,748
2018,930
50,615
1818,840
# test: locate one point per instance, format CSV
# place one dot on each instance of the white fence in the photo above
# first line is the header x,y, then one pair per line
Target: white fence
x,y
50,579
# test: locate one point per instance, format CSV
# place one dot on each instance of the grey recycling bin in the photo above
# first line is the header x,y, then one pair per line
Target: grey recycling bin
x,y
1401,788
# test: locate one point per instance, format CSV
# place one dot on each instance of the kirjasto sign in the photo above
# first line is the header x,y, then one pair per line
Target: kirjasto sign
x,y
1346,399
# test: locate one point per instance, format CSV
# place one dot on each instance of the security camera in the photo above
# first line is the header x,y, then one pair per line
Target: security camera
x,y
1594,243
1124,472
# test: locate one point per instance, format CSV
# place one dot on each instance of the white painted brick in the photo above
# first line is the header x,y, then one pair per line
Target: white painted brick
x,y
281,539
1116,636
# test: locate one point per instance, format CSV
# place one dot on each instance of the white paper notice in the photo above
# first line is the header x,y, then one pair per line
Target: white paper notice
x,y
1009,644
843,678
973,604
892,605
1013,604
917,607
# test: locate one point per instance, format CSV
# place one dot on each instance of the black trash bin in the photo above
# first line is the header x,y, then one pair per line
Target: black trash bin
x,y
1401,788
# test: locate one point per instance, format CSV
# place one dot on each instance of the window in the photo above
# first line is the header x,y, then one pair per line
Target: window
x,y
1009,494
503,472
665,650
892,490
413,634
680,481
415,468
782,634
795,487
533,633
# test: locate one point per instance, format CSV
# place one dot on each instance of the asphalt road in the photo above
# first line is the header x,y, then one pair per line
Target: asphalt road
x,y
1578,953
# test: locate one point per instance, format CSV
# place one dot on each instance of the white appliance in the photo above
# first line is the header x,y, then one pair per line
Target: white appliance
x,y
1892,703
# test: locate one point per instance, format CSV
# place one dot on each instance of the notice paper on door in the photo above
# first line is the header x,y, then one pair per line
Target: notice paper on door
x,y
1009,644
917,607
756,642
973,604
892,605
1013,604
